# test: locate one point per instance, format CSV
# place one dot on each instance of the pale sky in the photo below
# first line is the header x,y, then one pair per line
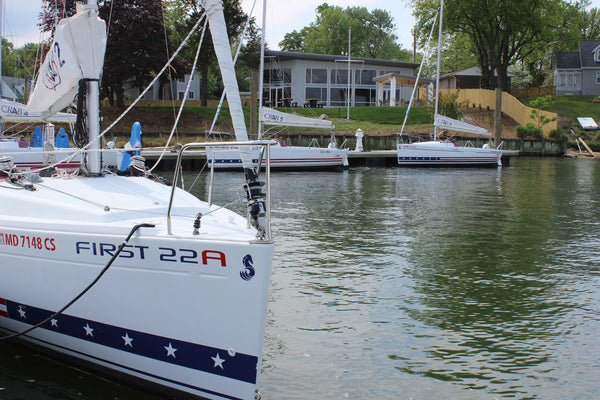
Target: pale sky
x,y
20,17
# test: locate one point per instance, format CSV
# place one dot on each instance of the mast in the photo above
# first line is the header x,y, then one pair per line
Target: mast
x,y
349,60
437,74
261,70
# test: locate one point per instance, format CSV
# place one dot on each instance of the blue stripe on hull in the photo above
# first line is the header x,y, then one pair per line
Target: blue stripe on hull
x,y
240,366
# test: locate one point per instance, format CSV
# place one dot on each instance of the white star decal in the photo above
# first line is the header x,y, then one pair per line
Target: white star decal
x,y
54,322
218,361
127,340
170,350
88,330
21,312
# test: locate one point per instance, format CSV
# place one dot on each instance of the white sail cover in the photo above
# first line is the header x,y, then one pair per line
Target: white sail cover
x,y
216,23
450,124
12,111
270,116
77,52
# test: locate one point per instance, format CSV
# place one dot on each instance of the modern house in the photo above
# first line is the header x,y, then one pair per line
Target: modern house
x,y
468,78
318,80
578,72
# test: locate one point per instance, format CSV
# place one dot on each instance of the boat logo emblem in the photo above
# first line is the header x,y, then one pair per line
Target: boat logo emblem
x,y
52,77
248,272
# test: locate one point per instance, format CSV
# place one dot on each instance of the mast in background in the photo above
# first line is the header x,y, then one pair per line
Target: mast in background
x,y
261,70
437,74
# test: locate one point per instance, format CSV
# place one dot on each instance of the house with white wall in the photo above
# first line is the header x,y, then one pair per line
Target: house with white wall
x,y
296,79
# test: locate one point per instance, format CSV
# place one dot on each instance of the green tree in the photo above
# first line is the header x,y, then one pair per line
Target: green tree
x,y
500,31
136,47
18,62
372,34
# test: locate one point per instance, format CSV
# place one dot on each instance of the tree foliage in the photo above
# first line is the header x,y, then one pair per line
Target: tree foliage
x,y
500,33
136,47
19,62
372,34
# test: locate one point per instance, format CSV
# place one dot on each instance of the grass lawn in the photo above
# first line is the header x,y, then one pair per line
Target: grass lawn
x,y
571,106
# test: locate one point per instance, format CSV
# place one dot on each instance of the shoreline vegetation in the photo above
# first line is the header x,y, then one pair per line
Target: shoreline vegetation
x,y
195,122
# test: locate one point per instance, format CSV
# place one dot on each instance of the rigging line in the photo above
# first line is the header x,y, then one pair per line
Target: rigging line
x,y
237,53
425,57
172,93
185,95
84,291
194,28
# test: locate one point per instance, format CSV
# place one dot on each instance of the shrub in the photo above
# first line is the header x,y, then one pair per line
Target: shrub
x,y
529,130
521,132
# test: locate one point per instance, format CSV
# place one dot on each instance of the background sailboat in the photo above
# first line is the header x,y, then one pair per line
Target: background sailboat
x,y
282,155
447,152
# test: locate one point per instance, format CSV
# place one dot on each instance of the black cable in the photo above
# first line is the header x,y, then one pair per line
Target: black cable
x,y
69,304
81,136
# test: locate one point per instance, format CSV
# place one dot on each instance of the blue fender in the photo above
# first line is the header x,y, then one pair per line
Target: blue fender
x,y
37,138
132,148
62,139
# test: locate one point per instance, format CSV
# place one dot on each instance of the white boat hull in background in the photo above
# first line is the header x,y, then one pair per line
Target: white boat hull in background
x,y
37,157
281,157
447,153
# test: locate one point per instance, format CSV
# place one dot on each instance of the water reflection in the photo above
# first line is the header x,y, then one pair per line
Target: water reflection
x,y
486,278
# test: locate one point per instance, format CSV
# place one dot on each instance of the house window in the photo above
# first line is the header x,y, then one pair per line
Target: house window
x,y
190,95
365,77
339,76
316,93
181,95
596,54
597,77
316,75
569,80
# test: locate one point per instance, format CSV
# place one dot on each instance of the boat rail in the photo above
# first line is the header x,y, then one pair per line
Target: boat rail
x,y
264,143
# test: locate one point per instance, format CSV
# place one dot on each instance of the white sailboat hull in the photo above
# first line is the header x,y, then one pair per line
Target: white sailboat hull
x,y
281,157
444,153
37,157
184,311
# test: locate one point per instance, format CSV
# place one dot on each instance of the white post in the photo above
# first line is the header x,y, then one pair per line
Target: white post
x,y
380,88
392,92
359,144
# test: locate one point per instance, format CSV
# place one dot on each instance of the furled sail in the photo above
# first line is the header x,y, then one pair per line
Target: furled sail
x,y
450,124
17,112
77,52
273,117
216,22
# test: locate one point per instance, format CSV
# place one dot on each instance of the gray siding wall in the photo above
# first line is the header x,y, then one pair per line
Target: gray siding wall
x,y
588,82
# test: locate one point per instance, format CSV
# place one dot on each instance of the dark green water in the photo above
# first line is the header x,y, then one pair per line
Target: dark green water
x,y
415,284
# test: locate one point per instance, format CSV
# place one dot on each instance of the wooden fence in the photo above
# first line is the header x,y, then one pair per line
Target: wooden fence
x,y
511,106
